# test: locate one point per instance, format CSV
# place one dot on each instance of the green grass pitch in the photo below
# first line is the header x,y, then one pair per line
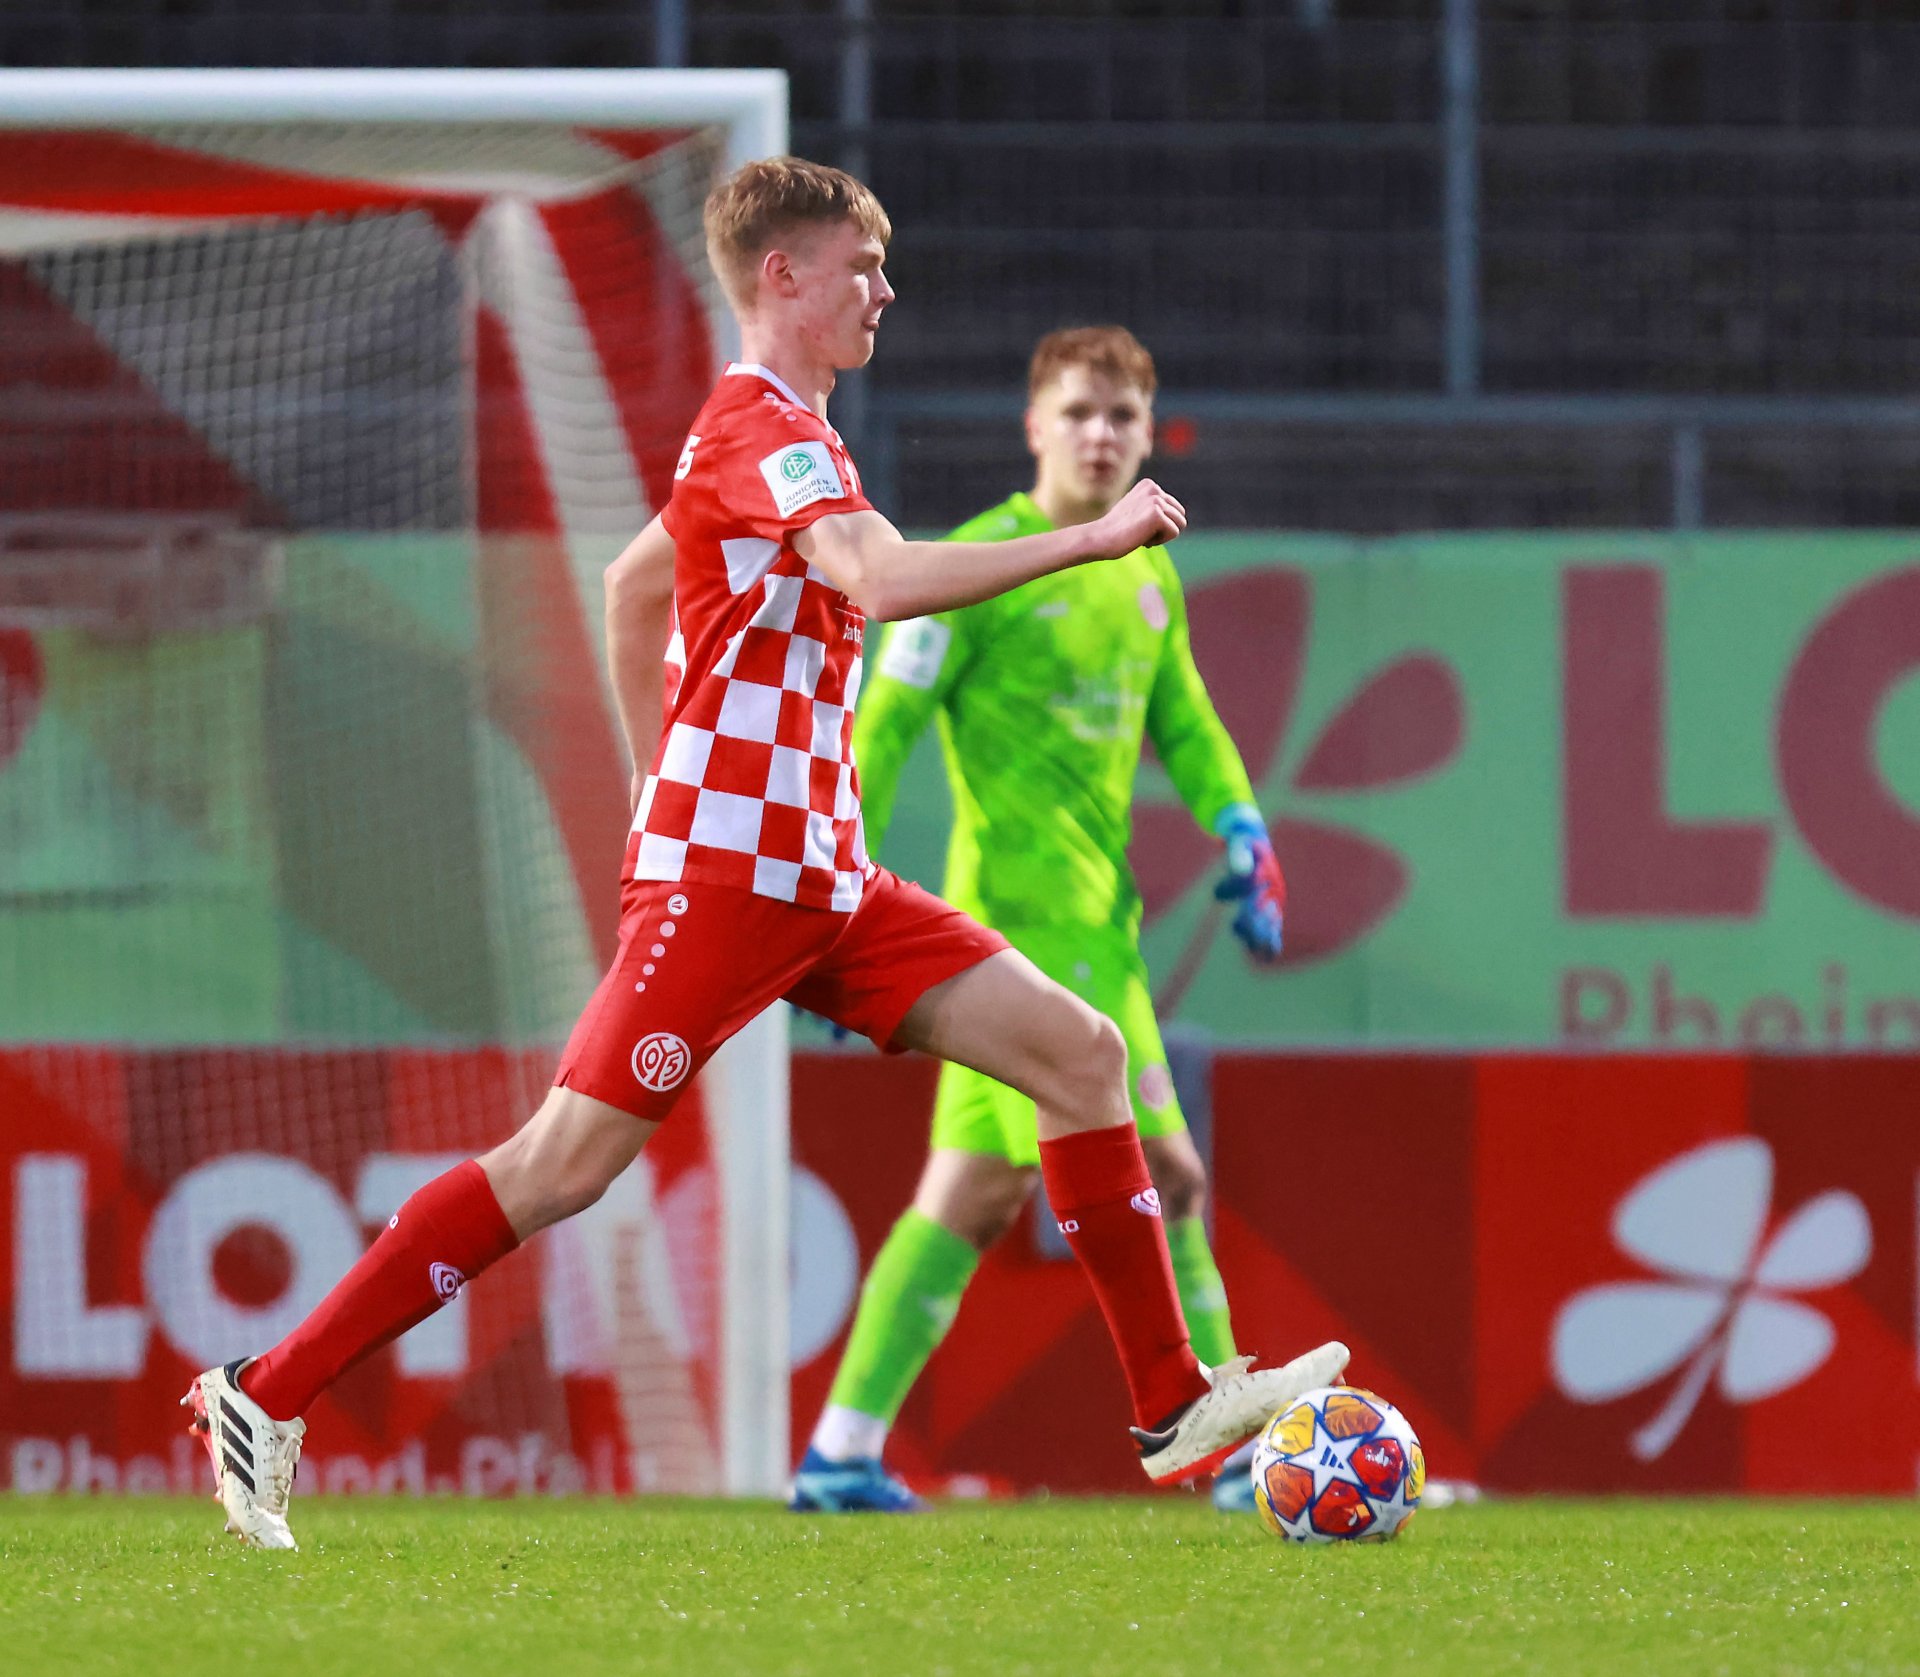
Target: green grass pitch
x,y
1109,1589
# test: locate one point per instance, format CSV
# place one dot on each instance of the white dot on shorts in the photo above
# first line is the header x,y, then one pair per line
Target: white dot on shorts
x,y
666,928
659,949
648,969
642,986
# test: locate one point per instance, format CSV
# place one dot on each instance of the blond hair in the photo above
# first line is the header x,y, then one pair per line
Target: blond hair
x,y
761,202
1112,350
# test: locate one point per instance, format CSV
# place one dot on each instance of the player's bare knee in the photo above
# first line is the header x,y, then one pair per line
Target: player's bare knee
x,y
1099,1070
998,1209
980,1226
973,1197
1082,1083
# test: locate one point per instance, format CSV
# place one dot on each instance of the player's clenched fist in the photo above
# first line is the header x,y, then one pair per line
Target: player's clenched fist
x,y
1146,516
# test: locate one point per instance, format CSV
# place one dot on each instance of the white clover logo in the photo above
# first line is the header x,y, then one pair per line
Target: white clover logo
x,y
1702,1222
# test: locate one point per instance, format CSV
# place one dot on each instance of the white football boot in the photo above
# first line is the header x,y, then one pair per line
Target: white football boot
x,y
254,1456
1240,1399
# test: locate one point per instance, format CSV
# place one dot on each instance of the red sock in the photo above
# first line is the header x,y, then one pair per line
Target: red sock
x,y
438,1241
1104,1202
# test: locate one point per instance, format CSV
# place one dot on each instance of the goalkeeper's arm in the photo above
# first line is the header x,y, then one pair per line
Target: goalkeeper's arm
x,y
1201,758
1206,770
639,619
918,663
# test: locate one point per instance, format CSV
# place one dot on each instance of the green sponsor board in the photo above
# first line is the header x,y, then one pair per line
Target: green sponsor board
x,y
136,861
1612,790
322,827
1617,790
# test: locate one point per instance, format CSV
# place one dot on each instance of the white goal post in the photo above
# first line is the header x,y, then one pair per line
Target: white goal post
x,y
750,104
284,122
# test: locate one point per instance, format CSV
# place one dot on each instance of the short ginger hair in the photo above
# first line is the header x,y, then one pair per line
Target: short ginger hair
x,y
1112,350
760,202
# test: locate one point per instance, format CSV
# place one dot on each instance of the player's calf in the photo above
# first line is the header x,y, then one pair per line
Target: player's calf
x,y
562,1159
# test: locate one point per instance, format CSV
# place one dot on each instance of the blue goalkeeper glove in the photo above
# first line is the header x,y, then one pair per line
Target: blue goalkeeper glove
x,y
1253,880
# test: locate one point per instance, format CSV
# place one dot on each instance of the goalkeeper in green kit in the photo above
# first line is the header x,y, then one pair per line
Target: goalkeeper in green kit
x,y
1043,697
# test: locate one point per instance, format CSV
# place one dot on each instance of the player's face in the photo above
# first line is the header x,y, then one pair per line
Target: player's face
x,y
841,290
1090,434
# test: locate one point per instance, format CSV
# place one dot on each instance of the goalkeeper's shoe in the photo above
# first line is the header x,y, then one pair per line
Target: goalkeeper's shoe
x,y
254,1456
1239,1400
858,1486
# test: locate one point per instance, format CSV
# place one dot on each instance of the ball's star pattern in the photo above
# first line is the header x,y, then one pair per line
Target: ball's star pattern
x,y
1306,1481
1329,1458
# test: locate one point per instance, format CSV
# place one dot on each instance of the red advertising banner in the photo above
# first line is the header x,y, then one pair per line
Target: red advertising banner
x,y
165,1211
1573,1274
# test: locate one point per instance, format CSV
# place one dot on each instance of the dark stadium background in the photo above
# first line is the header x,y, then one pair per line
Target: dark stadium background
x,y
1577,262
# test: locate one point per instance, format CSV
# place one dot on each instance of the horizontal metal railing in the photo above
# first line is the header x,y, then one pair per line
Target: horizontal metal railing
x,y
1384,462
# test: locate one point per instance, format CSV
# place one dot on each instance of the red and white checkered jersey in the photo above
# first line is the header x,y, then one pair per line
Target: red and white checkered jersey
x,y
753,785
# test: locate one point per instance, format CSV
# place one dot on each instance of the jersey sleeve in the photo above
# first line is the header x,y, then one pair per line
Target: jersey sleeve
x,y
920,659
1186,730
760,476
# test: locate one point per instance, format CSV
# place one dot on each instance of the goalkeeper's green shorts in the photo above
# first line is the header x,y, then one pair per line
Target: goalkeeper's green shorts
x,y
974,1114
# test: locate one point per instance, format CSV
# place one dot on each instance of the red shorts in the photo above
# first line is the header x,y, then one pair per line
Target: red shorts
x,y
697,962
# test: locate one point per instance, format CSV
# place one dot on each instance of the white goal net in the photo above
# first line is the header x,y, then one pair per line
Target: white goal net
x,y
324,401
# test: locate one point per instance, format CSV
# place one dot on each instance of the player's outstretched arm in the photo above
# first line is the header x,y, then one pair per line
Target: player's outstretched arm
x,y
889,577
639,620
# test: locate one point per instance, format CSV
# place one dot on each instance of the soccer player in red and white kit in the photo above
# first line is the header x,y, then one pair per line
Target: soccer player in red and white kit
x,y
747,877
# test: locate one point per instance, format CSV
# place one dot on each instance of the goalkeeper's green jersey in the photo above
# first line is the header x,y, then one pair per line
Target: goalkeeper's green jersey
x,y
1043,697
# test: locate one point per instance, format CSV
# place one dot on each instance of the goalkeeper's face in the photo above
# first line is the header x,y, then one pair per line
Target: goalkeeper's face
x,y
1090,434
839,291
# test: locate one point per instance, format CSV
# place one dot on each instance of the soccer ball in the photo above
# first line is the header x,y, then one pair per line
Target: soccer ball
x,y
1338,1464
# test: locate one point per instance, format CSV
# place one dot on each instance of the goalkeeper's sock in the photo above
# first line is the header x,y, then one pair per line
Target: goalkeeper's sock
x,y
1103,1200
910,1298
438,1241
1203,1295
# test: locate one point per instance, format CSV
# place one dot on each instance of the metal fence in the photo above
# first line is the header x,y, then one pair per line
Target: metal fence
x,y
1427,261
1379,464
